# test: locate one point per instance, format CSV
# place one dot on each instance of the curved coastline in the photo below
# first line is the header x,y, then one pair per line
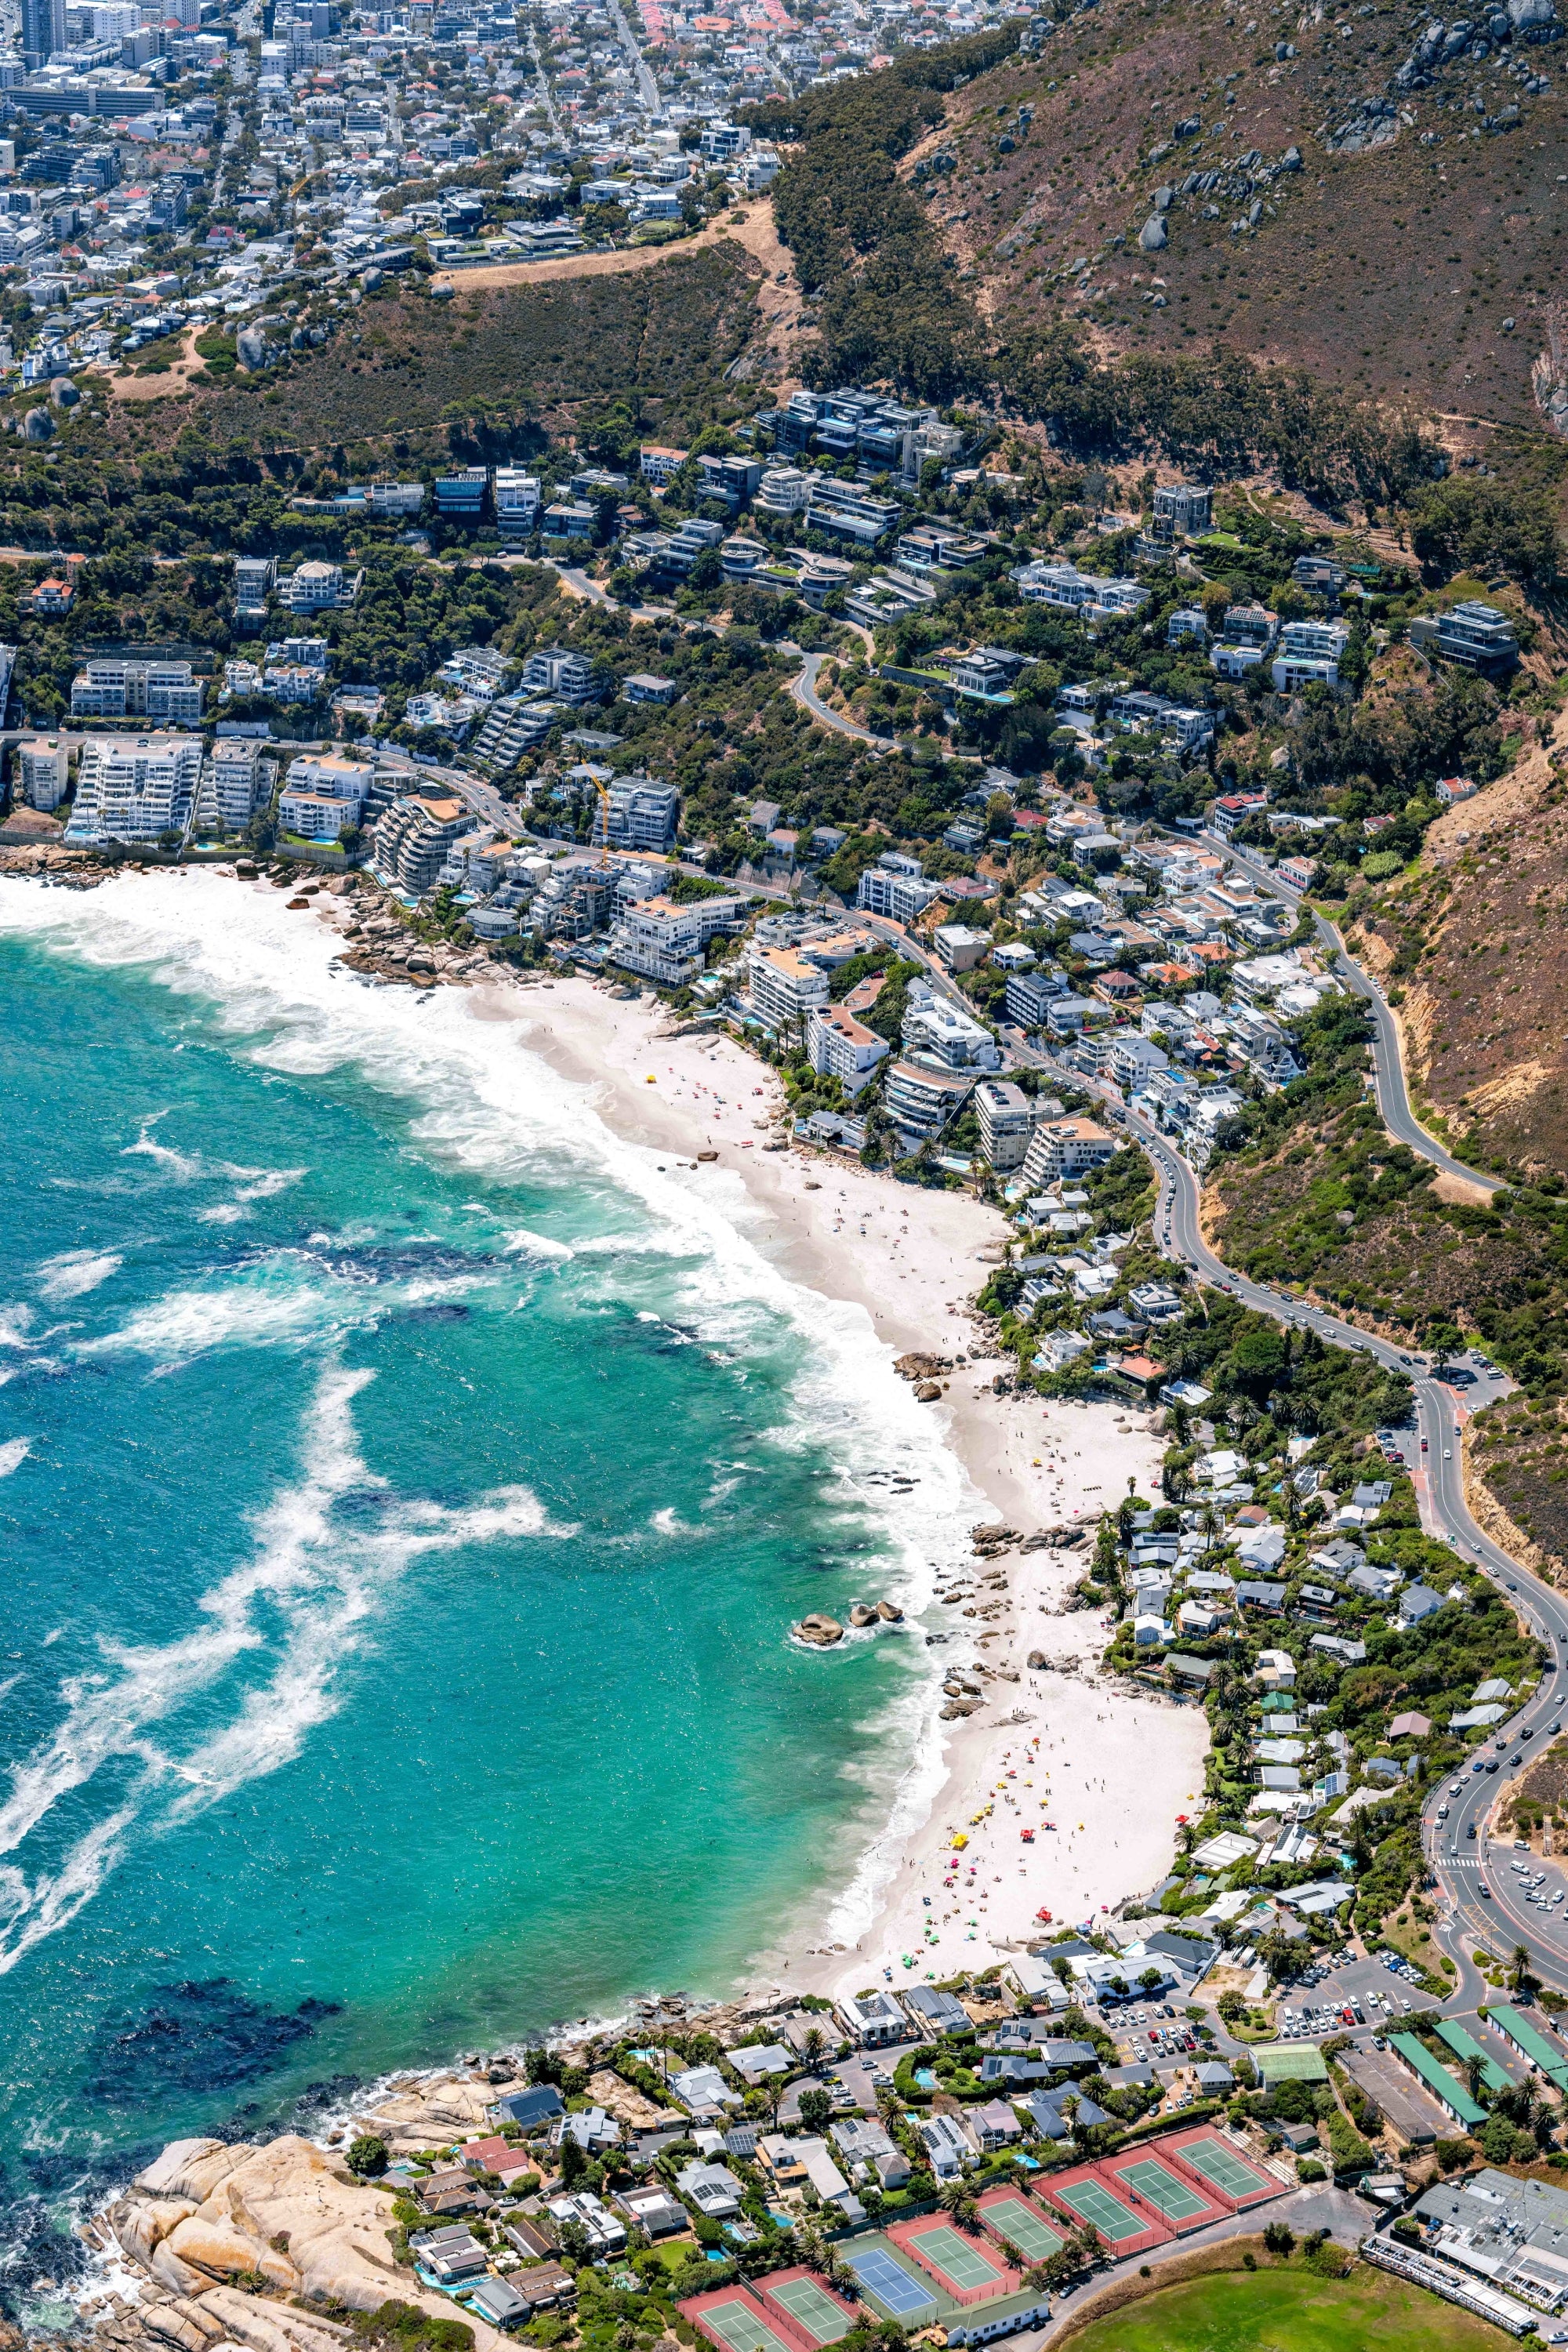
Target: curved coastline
x,y
870,1272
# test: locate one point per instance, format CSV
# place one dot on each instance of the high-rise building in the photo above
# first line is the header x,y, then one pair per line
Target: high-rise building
x,y
43,30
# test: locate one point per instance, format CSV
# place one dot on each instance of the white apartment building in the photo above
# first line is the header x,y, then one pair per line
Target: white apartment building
x,y
1062,1147
133,788
315,588
1006,1117
411,840
782,491
137,690
396,497
253,579
313,816
42,765
231,784
638,813
786,990
842,1047
903,896
517,498
330,776
660,941
939,1032
555,669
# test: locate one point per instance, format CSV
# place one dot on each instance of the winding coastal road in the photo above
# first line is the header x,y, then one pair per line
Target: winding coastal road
x,y
1387,1057
1463,1860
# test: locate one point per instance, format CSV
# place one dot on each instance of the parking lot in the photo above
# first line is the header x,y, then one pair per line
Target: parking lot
x,y
1147,2033
1316,2010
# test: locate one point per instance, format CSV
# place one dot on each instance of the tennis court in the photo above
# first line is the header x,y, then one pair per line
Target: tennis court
x,y
1022,2227
742,2329
958,2259
814,2311
1224,2170
883,2280
1095,2204
1170,2197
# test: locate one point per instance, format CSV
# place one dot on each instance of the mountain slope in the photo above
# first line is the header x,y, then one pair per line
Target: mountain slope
x,y
1346,218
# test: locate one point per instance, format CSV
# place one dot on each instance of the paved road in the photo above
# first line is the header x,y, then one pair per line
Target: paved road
x,y
1387,1062
647,89
805,693
1460,1865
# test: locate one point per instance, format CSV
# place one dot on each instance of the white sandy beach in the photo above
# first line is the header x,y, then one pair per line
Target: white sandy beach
x,y
1111,1772
880,1270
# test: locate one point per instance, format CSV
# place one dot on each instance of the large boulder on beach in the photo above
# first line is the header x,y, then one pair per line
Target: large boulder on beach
x,y
860,1616
927,1393
819,1631
890,1612
921,1367
221,2250
1036,1660
289,2214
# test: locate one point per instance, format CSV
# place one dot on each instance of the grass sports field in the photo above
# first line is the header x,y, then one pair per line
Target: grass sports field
x,y
1289,2310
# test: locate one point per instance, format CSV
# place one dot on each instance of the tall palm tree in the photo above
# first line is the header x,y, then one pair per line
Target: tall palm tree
x,y
814,2046
1518,1966
1473,2073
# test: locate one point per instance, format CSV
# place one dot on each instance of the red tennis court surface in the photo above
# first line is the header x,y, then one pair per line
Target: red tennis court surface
x,y
1231,2178
1174,2199
735,2321
800,2299
970,2268
1083,2194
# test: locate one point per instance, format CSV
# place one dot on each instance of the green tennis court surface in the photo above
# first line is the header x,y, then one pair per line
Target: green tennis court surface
x,y
959,2258
1224,2168
1092,2203
882,2278
1170,2197
742,2329
813,2310
1022,2227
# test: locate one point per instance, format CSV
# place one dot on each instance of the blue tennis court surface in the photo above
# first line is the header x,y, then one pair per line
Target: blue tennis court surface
x,y
883,2278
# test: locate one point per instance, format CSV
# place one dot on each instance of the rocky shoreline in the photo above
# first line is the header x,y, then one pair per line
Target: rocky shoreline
x,y
255,2247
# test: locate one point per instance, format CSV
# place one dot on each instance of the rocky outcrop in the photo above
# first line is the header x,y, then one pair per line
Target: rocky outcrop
x,y
821,1633
237,2236
423,2114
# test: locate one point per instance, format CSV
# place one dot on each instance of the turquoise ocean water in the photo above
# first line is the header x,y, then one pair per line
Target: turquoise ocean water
x,y
407,1490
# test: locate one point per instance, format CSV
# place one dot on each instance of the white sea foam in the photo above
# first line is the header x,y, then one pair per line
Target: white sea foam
x,y
76,1272
178,1167
13,1454
488,1106
272,1641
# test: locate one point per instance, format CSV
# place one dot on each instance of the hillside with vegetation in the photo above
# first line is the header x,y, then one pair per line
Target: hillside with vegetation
x,y
1352,236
